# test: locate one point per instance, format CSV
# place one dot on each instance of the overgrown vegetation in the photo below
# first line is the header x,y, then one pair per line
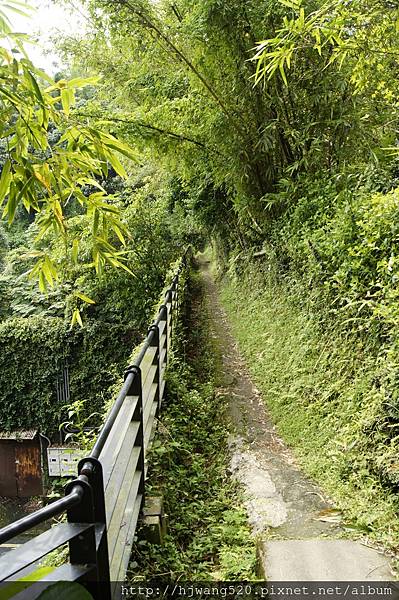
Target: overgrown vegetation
x,y
39,325
208,534
270,126
326,395
76,221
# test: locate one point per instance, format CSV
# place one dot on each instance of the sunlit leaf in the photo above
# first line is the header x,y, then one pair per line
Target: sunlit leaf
x,y
5,180
84,298
75,250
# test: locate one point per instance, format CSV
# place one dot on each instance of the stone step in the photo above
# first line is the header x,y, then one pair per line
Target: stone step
x,y
321,560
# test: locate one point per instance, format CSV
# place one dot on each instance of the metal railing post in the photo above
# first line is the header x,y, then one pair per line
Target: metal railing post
x,y
92,469
169,316
177,294
155,343
172,305
163,316
136,389
83,549
164,309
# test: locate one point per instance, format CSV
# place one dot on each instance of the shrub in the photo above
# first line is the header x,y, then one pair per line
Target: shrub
x,y
34,351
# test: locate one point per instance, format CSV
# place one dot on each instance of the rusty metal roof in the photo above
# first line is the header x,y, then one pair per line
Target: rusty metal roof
x,y
18,434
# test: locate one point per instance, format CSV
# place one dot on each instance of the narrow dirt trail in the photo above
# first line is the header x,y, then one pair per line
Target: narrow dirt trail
x,y
299,537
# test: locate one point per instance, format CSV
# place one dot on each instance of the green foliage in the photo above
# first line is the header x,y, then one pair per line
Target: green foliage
x,y
344,428
336,61
43,172
20,296
29,386
342,245
180,85
78,425
113,324
208,537
359,38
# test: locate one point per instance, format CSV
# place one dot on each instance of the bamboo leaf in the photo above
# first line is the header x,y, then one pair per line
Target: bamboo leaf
x,y
11,205
282,72
84,298
73,319
119,234
42,281
5,180
117,263
76,318
79,82
117,165
65,101
75,251
35,86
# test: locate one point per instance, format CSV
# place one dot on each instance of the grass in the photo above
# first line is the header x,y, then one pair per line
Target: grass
x,y
208,537
319,386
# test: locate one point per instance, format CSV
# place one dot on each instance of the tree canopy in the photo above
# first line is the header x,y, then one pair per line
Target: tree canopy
x,y
50,159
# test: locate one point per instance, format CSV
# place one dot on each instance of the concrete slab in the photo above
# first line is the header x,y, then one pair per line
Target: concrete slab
x,y
264,504
321,560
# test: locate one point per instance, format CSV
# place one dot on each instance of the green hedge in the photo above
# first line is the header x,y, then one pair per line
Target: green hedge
x,y
33,351
30,351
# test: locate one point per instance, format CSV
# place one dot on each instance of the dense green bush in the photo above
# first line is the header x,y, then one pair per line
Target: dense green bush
x,y
35,332
343,246
335,254
34,351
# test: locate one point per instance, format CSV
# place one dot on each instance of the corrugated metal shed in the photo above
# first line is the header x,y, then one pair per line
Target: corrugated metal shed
x,y
20,463
18,434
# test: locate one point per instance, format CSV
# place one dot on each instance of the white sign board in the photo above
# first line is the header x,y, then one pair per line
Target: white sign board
x,y
63,462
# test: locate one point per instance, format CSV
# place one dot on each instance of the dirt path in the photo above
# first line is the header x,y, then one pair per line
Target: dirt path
x,y
298,529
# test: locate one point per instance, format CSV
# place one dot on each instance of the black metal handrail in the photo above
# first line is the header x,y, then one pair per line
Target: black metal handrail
x,y
103,503
105,430
40,516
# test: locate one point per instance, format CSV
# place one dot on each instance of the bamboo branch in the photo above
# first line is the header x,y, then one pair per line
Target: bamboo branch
x,y
177,136
183,58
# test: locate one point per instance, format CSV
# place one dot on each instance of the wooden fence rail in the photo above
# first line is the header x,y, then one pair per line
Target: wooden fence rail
x,y
104,502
